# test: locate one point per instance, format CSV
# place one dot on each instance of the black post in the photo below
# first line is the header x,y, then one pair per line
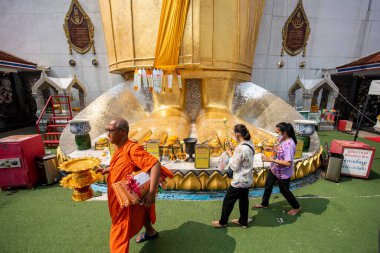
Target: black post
x,y
361,118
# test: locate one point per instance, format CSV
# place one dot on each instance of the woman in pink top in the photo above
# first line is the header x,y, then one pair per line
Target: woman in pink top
x,y
281,168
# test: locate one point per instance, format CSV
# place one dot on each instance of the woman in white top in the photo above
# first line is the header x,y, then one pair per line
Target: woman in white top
x,y
241,163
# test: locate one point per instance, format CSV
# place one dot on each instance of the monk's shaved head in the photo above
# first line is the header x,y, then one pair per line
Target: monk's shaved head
x,y
121,123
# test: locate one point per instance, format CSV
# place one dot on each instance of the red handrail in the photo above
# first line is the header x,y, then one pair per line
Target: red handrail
x,y
51,101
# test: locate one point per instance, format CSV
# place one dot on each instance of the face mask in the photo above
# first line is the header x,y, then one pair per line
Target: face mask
x,y
280,137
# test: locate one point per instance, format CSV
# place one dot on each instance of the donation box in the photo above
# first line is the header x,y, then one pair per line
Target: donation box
x,y
17,160
153,148
202,156
299,149
358,157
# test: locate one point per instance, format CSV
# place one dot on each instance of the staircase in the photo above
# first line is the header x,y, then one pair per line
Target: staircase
x,y
53,119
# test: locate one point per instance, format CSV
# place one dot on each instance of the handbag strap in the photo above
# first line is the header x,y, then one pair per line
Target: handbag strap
x,y
245,144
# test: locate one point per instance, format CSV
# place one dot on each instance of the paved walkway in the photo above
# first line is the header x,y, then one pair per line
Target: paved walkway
x,y
363,134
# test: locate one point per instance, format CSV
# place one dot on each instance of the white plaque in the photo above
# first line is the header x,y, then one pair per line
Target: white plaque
x,y
356,162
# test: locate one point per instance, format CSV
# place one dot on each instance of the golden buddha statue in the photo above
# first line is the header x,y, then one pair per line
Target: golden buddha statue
x,y
217,46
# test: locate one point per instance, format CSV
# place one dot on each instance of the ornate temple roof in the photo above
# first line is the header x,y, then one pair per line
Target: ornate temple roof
x,y
62,85
313,85
14,63
369,62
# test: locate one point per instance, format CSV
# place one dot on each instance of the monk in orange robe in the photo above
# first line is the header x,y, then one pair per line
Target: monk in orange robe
x,y
128,158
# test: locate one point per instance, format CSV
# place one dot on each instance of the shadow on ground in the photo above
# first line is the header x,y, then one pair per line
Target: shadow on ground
x,y
373,175
192,237
344,179
277,215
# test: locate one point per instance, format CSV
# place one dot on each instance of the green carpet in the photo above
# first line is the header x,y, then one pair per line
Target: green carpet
x,y
336,217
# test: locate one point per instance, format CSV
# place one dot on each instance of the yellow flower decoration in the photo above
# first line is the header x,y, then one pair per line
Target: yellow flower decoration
x,y
171,140
214,143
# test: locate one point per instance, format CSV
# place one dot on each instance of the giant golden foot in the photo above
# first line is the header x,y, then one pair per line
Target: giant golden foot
x,y
215,121
169,118
160,125
215,124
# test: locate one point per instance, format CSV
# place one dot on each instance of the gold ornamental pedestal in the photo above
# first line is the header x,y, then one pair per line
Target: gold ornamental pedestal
x,y
81,177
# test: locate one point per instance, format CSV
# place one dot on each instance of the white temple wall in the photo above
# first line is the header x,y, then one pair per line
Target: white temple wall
x,y
341,31
33,30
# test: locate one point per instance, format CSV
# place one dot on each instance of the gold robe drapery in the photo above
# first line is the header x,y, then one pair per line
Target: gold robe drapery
x,y
170,33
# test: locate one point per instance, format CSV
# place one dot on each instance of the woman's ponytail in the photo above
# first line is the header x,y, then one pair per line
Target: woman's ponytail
x,y
243,131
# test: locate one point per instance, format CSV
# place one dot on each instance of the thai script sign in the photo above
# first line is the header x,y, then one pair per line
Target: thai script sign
x,y
153,147
202,157
295,32
79,29
357,162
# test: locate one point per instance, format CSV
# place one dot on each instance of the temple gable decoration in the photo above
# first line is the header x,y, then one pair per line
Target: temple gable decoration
x,y
79,29
295,32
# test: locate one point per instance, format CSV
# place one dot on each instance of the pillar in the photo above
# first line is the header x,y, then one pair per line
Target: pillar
x,y
307,97
331,100
38,97
82,103
292,99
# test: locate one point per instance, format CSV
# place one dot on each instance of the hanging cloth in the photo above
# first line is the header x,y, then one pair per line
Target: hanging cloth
x,y
170,33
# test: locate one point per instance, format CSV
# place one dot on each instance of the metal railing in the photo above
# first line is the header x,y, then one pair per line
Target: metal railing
x,y
56,106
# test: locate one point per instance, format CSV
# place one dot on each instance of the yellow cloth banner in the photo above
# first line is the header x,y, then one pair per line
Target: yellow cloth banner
x,y
170,33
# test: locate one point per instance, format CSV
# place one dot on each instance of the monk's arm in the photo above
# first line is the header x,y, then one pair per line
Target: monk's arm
x,y
103,171
150,197
154,177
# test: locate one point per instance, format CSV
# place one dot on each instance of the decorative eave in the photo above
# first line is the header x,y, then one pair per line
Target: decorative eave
x,y
62,85
369,62
11,63
311,85
296,84
327,80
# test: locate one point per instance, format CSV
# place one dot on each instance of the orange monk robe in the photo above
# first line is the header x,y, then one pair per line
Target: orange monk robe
x,y
128,221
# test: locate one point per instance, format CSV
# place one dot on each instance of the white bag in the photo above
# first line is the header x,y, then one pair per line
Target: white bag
x,y
223,161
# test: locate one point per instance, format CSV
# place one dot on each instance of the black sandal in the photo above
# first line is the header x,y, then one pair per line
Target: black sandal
x,y
145,237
